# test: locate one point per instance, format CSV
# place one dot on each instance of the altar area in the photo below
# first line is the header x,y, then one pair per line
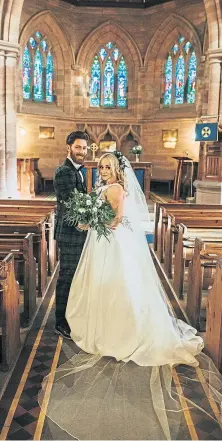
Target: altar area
x,y
30,181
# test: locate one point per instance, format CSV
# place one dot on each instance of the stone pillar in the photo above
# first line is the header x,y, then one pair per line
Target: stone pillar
x,y
209,183
215,60
8,173
3,191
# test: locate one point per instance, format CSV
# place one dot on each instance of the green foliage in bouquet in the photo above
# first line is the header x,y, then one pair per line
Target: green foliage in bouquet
x,y
89,209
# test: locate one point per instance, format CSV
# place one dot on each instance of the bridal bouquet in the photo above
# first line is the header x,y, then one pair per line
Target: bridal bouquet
x,y
89,209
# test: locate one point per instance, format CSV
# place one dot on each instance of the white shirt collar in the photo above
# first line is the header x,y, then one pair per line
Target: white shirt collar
x,y
74,163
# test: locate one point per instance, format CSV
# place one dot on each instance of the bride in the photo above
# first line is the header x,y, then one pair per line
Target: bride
x,y
120,384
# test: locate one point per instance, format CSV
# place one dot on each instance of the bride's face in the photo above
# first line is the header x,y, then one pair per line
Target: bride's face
x,y
105,171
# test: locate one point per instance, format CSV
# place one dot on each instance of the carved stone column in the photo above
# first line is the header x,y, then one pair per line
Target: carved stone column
x,y
215,60
3,191
8,174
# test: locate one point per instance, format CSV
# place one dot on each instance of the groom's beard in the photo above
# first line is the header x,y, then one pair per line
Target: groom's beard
x,y
78,159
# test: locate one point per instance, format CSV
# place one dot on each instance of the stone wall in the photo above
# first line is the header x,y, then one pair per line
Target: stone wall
x,y
145,36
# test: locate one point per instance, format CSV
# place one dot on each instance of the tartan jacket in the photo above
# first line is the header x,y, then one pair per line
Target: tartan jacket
x,y
67,178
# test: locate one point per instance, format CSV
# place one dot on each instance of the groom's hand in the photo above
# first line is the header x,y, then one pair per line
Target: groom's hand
x,y
83,227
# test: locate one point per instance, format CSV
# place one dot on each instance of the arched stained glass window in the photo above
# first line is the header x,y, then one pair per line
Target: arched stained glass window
x,y
26,74
38,70
108,78
179,83
180,71
49,78
168,81
108,83
191,84
95,83
122,82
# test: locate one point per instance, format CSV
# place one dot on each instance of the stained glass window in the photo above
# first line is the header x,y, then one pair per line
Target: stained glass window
x,y
95,83
168,81
122,83
180,71
26,74
192,73
179,83
49,78
38,70
108,84
108,78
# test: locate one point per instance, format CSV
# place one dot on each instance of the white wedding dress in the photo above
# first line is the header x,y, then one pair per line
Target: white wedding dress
x,y
116,305
120,384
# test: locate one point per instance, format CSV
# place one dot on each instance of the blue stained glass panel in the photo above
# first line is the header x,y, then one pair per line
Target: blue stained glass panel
x,y
49,78
181,39
44,45
192,73
38,35
38,77
26,74
187,47
168,81
108,83
175,49
110,45
179,85
122,83
103,53
32,42
95,83
116,53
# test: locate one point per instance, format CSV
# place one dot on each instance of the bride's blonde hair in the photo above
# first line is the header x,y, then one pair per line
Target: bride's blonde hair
x,y
115,168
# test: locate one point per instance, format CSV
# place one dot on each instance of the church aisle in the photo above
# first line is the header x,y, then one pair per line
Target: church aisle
x,y
20,415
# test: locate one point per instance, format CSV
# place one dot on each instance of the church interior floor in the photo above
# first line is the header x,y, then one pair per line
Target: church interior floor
x,y
43,350
20,415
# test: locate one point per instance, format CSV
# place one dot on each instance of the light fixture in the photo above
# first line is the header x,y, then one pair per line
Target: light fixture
x,y
170,138
22,131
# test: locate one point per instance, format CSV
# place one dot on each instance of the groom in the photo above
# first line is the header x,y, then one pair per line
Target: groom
x,y
70,241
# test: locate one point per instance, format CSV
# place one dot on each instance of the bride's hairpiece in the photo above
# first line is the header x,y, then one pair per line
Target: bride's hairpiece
x,y
121,159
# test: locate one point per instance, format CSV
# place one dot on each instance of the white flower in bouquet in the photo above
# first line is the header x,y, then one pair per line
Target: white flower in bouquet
x,y
92,211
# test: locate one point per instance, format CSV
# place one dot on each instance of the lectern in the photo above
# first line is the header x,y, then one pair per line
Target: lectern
x,y
184,174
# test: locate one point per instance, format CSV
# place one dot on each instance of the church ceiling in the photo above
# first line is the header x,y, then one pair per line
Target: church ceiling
x,y
117,3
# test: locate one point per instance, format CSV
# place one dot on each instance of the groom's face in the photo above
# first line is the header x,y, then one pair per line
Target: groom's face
x,y
78,150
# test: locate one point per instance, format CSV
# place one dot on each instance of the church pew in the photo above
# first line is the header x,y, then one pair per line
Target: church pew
x,y
25,211
186,212
185,238
31,202
204,256
39,230
191,220
213,340
25,266
9,313
162,208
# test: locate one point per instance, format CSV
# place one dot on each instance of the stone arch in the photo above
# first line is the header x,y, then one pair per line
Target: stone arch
x,y
110,31
156,53
63,56
10,15
214,20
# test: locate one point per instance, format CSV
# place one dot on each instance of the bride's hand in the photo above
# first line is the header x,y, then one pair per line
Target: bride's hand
x,y
82,227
